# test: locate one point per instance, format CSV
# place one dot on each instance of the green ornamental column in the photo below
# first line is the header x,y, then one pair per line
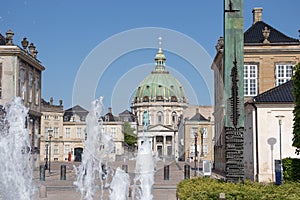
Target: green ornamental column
x,y
234,88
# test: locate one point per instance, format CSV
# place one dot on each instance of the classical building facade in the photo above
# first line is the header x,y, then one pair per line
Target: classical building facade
x,y
114,127
269,56
264,143
198,129
20,76
163,98
74,133
51,140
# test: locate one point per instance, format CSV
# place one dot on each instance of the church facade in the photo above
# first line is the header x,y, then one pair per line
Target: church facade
x,y
163,98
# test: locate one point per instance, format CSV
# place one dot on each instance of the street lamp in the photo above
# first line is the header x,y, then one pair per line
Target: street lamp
x,y
46,161
50,136
280,117
202,130
195,160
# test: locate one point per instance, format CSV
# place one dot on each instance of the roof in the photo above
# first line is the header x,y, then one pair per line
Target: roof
x,y
198,117
76,110
126,112
280,94
2,40
254,35
160,85
109,117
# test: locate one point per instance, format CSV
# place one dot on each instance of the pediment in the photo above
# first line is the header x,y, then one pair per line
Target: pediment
x,y
160,127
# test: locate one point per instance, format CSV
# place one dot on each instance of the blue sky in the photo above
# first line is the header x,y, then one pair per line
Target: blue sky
x,y
68,34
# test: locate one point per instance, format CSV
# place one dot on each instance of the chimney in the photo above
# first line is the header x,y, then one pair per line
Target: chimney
x,y
51,101
109,110
257,15
9,37
197,110
60,102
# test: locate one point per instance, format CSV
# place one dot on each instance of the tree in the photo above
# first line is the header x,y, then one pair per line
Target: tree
x,y
296,93
129,137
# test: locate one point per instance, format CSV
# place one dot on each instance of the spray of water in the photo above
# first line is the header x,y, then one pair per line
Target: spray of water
x,y
98,145
144,172
120,185
16,172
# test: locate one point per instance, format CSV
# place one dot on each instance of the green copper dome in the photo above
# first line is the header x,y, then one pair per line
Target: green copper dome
x,y
160,85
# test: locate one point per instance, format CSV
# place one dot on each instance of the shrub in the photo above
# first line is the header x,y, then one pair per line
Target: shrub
x,y
291,169
208,188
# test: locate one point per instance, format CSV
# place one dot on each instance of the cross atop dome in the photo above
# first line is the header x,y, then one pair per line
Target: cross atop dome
x,y
160,58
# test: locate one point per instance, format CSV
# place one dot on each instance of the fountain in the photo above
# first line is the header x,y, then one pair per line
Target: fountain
x,y
120,185
16,171
144,172
94,173
145,166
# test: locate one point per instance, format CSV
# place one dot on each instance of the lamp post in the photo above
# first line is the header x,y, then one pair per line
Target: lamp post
x,y
202,130
50,136
46,149
280,117
195,160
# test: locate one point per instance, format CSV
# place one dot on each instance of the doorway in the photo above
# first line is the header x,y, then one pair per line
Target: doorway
x,y
77,153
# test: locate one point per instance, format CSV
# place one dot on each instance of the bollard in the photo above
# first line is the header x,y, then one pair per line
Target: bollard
x,y
166,172
125,168
43,191
63,172
187,169
42,173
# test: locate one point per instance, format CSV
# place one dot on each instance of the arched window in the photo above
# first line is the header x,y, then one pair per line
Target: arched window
x,y
160,117
174,117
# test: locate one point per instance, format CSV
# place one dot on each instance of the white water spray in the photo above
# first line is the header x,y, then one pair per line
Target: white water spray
x,y
16,173
98,146
120,185
144,172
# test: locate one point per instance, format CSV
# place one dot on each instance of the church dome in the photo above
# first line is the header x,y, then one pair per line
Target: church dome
x,y
160,85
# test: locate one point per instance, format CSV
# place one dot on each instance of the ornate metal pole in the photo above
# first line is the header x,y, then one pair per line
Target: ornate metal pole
x,y
234,88
196,155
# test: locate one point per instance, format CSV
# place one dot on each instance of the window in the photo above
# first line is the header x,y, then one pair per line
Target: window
x,y
22,83
159,139
47,132
113,132
283,73
47,117
55,149
37,90
193,131
30,84
174,117
204,132
250,80
55,117
78,133
55,132
67,148
160,117
67,132
205,150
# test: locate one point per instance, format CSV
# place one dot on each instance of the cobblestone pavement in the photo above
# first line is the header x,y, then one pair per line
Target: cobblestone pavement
x,y
57,189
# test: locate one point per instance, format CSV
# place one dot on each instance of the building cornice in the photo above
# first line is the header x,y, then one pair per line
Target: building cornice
x,y
17,51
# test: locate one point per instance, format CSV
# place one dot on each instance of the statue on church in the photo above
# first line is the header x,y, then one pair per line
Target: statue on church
x,y
146,120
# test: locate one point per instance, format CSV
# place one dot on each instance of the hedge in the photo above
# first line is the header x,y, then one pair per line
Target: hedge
x,y
208,188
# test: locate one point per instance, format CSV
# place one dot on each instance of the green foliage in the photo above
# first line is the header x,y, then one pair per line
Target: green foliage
x,y
129,137
208,188
296,93
291,169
